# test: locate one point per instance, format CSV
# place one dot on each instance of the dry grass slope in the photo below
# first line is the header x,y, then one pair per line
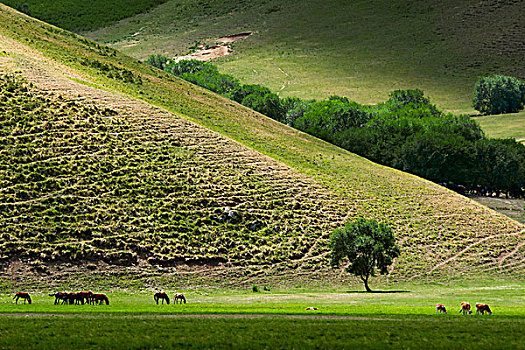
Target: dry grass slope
x,y
114,178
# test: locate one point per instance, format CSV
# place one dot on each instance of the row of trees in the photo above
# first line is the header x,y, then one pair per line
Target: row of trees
x,y
406,132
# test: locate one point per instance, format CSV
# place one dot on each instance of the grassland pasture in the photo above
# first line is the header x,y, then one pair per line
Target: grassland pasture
x,y
77,15
122,179
224,319
504,126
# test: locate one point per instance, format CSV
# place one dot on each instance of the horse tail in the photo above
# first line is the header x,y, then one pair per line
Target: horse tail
x,y
29,299
167,299
106,299
184,298
156,298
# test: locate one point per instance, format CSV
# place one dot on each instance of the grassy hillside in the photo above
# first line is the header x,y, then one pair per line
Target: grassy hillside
x,y
504,126
79,15
360,49
138,167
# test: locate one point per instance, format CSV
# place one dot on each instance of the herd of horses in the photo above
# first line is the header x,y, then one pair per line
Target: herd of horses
x,y
85,297
90,298
465,309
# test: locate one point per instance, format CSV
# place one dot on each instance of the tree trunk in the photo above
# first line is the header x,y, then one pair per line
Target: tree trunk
x,y
365,279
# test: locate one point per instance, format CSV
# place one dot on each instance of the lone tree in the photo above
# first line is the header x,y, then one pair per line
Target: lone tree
x,y
498,94
366,244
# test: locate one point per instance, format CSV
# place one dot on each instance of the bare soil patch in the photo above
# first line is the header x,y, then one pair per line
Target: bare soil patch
x,y
221,48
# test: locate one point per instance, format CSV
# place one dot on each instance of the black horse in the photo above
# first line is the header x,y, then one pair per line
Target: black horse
x,y
163,296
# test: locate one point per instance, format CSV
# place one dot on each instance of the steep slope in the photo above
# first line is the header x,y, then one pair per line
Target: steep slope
x,y
96,172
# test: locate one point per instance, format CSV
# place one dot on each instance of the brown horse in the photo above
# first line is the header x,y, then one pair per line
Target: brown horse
x,y
100,299
84,296
22,295
74,299
440,308
179,296
163,296
60,296
465,308
483,308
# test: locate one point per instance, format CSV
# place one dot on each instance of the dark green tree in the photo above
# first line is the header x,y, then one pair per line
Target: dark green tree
x,y
498,94
158,61
367,245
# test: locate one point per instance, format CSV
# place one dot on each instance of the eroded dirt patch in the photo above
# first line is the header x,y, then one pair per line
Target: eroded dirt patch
x,y
220,48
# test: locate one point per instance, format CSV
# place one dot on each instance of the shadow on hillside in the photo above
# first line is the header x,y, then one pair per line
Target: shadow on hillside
x,y
377,291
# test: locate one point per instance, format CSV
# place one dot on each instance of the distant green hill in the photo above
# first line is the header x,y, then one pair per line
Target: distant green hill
x,y
107,160
359,49
79,15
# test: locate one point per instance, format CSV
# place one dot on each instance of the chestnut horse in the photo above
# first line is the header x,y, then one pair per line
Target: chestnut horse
x,y
440,308
163,296
22,295
465,308
84,296
483,308
180,296
100,299
60,296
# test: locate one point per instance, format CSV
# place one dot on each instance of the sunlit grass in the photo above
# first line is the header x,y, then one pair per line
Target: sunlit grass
x,y
276,319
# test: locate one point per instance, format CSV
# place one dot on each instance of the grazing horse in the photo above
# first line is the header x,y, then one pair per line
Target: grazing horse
x,y
60,296
465,308
85,296
180,296
440,308
483,308
74,299
163,296
100,299
22,295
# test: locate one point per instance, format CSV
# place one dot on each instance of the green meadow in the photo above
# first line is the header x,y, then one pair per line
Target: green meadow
x,y
401,316
504,126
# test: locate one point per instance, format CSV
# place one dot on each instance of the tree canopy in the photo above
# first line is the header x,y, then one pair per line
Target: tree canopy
x,y
367,245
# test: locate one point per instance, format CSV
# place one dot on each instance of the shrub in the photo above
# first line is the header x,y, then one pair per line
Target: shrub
x,y
332,116
405,97
255,288
498,94
268,104
190,66
158,61
241,92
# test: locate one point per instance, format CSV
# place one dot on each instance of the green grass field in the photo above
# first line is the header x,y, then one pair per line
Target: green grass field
x,y
359,49
504,126
277,319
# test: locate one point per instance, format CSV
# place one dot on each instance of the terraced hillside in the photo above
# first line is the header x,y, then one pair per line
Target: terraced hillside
x,y
105,160
82,182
